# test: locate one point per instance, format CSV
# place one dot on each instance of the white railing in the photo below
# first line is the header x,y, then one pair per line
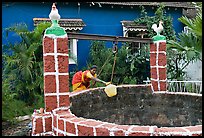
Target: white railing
x,y
183,86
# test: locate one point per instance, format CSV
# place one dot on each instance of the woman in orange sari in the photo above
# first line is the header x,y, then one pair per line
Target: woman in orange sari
x,y
81,80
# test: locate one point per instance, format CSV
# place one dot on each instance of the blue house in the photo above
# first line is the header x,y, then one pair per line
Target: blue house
x,y
101,18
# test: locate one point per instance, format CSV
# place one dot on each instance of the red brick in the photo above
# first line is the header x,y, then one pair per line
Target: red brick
x,y
124,127
49,63
63,83
68,116
153,72
60,134
48,124
194,128
55,121
61,124
108,125
70,128
76,120
153,47
63,63
102,132
162,46
49,84
39,126
163,86
63,112
196,134
155,85
48,45
140,131
162,74
139,134
91,123
162,59
85,130
64,100
50,103
55,132
171,130
119,133
62,45
140,128
153,59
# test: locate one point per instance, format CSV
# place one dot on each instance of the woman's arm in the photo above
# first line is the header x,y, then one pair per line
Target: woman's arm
x,y
98,80
101,81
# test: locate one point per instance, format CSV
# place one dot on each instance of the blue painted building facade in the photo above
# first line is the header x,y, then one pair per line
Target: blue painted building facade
x,y
103,19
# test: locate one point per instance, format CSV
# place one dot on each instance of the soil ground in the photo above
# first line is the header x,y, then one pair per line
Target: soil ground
x,y
19,129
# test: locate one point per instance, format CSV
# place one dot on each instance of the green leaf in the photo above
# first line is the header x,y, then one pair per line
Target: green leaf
x,y
190,55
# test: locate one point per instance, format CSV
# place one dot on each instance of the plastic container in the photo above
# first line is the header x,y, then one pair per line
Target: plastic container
x,y
111,90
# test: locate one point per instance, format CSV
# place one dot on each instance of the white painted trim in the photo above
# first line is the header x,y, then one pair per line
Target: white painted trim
x,y
159,41
57,71
73,50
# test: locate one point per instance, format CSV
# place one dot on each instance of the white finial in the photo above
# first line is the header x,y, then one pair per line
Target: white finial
x,y
55,29
54,15
158,29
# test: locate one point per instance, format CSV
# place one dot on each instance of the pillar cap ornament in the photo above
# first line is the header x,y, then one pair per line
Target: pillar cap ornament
x,y
55,29
158,30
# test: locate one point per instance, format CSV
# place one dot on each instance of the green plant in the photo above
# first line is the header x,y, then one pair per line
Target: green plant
x,y
23,69
129,69
11,107
192,41
180,52
96,57
150,20
139,63
187,48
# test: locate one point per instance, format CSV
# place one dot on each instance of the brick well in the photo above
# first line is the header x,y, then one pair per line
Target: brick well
x,y
137,110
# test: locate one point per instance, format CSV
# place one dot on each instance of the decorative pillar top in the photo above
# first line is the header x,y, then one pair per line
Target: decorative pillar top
x,y
55,29
158,31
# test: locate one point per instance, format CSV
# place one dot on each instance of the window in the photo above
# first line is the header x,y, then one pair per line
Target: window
x,y
72,51
132,30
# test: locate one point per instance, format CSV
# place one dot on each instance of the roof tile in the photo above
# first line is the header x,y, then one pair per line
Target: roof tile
x,y
70,24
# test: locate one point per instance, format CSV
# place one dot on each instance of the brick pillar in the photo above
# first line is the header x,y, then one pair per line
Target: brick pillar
x,y
158,64
56,76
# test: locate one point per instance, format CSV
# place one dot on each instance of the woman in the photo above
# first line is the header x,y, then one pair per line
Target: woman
x,y
81,80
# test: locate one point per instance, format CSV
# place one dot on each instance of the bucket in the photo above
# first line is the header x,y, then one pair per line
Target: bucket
x,y
111,90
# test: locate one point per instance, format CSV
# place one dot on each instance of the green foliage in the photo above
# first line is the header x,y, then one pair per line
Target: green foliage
x,y
187,48
12,107
173,58
96,57
186,45
176,64
195,26
180,52
23,70
129,69
150,20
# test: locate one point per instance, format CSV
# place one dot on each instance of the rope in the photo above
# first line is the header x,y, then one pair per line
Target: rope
x,y
114,50
113,67
104,64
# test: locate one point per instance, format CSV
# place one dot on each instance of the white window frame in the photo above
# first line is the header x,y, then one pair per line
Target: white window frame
x,y
126,31
73,50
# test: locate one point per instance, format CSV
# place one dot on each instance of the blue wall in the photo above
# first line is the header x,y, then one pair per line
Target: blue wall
x,y
99,20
